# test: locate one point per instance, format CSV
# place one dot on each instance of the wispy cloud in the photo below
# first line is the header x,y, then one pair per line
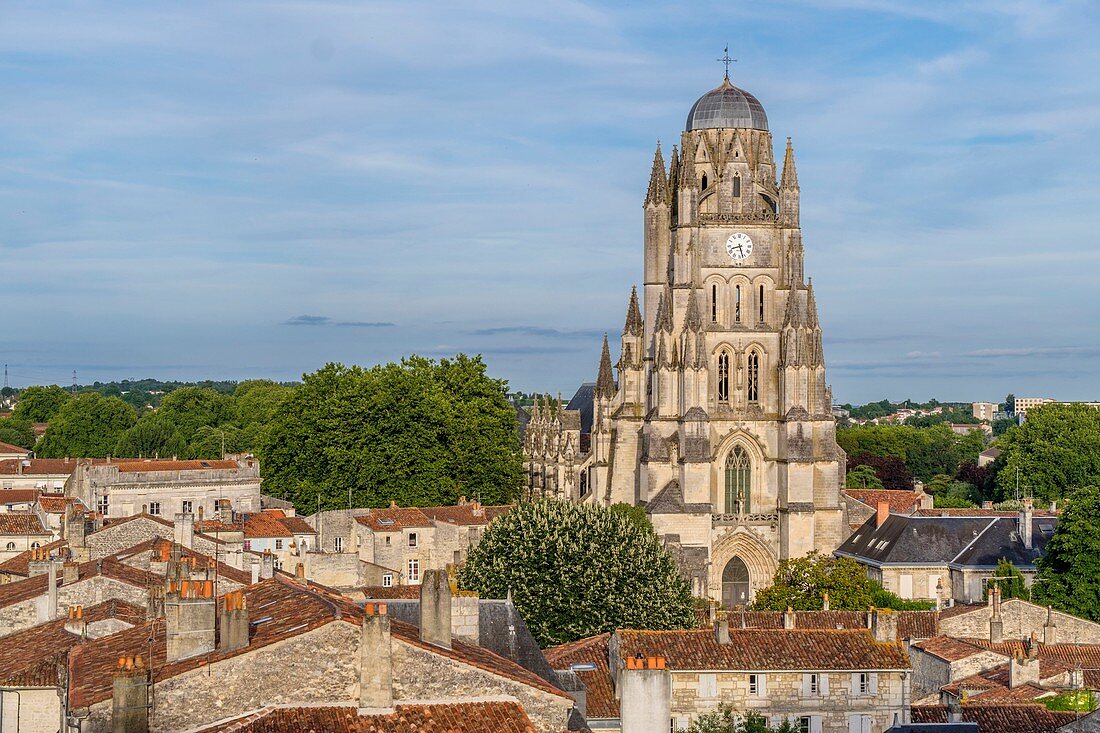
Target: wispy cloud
x,y
538,332
306,320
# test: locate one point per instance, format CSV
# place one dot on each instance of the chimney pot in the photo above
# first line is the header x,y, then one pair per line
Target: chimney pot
x,y
882,513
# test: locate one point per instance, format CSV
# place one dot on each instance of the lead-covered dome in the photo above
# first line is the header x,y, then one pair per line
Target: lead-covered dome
x,y
727,106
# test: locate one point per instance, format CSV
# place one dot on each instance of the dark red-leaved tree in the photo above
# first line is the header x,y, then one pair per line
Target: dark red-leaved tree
x,y
891,470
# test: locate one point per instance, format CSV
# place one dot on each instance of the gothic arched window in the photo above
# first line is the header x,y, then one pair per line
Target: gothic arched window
x,y
724,376
737,187
704,181
714,303
754,377
738,482
761,304
737,303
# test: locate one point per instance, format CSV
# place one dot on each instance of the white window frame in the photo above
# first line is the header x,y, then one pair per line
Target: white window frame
x,y
758,685
413,539
387,580
154,508
413,567
338,544
104,505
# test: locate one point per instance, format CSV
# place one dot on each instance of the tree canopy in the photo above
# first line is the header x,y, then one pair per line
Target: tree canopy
x,y
801,583
575,570
191,408
926,451
17,432
89,426
1069,572
1057,450
420,433
862,477
40,403
1009,579
727,720
153,436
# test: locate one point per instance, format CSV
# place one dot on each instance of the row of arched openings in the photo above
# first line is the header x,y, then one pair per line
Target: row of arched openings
x,y
736,184
737,310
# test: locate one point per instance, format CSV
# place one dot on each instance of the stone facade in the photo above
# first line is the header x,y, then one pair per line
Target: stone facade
x,y
1021,619
38,710
33,611
720,422
931,672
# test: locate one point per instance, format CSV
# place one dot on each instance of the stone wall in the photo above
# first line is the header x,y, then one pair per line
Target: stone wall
x,y
23,615
39,711
922,581
930,673
1021,619
784,698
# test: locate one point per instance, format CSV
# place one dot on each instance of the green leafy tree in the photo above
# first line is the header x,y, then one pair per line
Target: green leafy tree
x,y
152,436
1000,427
258,401
190,408
801,583
575,570
926,451
1009,580
88,426
17,432
862,477
635,514
209,442
1057,450
420,433
1069,572
726,720
40,403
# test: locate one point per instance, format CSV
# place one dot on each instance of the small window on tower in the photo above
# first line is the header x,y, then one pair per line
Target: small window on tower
x,y
737,187
723,377
714,304
737,303
761,302
704,181
754,377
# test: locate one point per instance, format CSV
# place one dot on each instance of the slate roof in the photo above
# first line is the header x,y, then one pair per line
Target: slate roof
x,y
765,649
470,717
600,699
584,400
670,500
294,609
973,541
1025,718
30,657
22,523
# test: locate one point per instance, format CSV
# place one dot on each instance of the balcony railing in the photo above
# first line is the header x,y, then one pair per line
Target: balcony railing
x,y
732,218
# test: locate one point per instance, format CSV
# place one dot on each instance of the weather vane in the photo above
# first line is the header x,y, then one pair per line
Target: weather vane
x,y
727,61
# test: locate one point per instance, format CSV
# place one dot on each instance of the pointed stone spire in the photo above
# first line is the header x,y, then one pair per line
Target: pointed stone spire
x,y
790,175
811,305
664,312
693,320
662,355
793,315
605,383
633,315
819,352
658,183
674,171
674,360
687,171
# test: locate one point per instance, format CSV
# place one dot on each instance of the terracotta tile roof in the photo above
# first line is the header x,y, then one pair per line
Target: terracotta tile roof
x,y
131,466
471,717
18,565
9,448
600,699
218,525
394,519
24,590
267,523
1063,655
55,503
992,687
116,521
31,657
28,523
294,609
40,467
765,649
900,501
161,550
911,624
469,513
960,608
18,496
949,648
1026,718
297,525
392,593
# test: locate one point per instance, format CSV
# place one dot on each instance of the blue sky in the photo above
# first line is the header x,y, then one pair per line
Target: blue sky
x,y
240,189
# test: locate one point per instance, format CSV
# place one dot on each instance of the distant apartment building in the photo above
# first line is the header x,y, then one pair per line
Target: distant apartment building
x,y
984,411
126,487
1023,404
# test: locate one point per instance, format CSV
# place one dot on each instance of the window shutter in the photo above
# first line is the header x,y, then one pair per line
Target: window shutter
x,y
874,683
823,684
868,723
855,684
762,684
815,724
855,724
805,685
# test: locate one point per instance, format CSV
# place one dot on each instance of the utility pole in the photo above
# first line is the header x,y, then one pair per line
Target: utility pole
x,y
1017,483
74,381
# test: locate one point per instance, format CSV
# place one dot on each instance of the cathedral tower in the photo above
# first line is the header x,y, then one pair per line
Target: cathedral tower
x,y
720,424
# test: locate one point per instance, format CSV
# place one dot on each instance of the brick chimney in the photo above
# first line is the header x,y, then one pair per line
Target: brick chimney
x,y
996,624
375,660
435,608
884,625
233,633
882,513
130,697
1026,513
189,618
722,629
39,563
825,601
645,699
1050,630
184,529
267,565
76,624
790,620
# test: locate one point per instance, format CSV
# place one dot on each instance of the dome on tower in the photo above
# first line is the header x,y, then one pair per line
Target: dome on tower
x,y
727,106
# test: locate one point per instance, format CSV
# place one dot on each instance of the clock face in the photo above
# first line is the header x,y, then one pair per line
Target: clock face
x,y
739,246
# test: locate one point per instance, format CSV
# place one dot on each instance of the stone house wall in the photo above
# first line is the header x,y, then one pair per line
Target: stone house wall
x,y
28,613
1021,619
783,697
391,550
930,673
39,710
922,580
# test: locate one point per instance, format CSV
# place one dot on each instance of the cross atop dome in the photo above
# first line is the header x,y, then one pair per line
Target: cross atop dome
x,y
727,60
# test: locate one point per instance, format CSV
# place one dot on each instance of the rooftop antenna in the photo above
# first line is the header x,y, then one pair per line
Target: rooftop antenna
x,y
74,381
5,376
727,60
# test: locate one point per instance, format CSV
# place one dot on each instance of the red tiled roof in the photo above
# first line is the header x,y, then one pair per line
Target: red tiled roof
x,y
294,609
765,649
1065,655
394,519
1027,718
42,466
900,501
19,565
31,657
469,513
28,523
267,523
9,448
392,593
23,590
55,503
470,717
161,550
131,466
911,624
600,699
297,525
949,648
18,496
